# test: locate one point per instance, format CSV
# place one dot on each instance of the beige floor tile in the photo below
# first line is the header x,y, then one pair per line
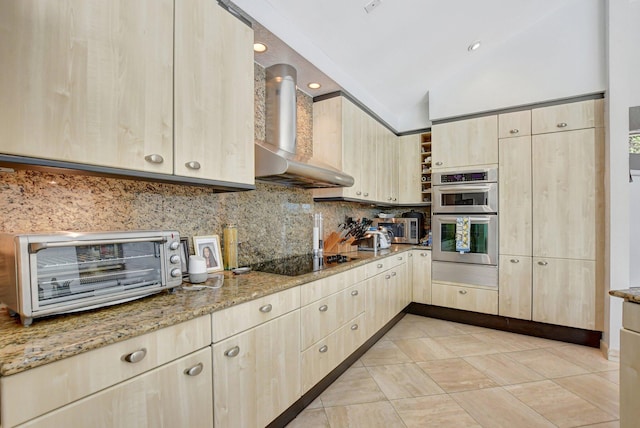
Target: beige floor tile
x,y
586,357
425,349
383,353
560,406
612,424
526,342
439,411
611,376
370,415
310,418
503,369
495,407
440,328
465,345
403,381
456,375
546,363
501,343
406,330
354,386
315,404
470,329
596,390
358,363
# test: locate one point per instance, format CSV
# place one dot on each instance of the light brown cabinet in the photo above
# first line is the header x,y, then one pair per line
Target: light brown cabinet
x,y
465,143
420,266
629,365
409,169
515,286
568,117
88,82
387,291
473,299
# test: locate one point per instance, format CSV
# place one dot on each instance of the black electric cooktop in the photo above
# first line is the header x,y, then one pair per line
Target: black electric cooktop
x,y
300,264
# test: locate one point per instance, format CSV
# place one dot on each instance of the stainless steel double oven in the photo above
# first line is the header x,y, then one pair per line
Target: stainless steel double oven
x,y
465,208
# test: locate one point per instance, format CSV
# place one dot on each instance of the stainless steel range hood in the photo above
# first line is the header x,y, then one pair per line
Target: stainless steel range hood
x,y
277,160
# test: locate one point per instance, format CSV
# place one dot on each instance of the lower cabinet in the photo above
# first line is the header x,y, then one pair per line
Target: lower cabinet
x,y
474,299
387,294
630,365
515,293
256,374
420,278
178,394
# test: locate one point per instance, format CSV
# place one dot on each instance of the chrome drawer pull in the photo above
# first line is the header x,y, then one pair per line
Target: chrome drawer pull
x,y
387,276
514,131
399,257
393,273
358,193
424,254
195,370
438,163
380,265
515,261
266,308
354,327
192,165
323,308
366,194
354,293
154,158
462,291
323,349
136,356
562,125
543,263
233,352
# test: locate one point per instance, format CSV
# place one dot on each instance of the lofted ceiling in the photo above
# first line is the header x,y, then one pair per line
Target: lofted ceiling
x,y
408,60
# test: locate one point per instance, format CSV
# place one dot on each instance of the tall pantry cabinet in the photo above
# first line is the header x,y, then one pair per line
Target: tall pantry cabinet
x,y
551,219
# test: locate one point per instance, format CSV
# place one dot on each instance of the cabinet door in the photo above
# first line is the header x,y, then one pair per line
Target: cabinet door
x,y
516,124
178,394
387,166
567,117
564,293
515,196
629,380
88,81
256,374
214,104
421,276
514,295
368,157
465,143
377,302
466,298
409,169
564,194
354,138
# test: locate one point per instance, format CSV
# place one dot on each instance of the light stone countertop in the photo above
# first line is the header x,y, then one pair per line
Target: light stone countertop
x,y
54,338
630,295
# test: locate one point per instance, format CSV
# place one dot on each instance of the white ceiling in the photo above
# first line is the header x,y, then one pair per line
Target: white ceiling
x,y
391,59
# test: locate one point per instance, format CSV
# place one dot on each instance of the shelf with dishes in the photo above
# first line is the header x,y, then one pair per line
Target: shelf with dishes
x,y
425,163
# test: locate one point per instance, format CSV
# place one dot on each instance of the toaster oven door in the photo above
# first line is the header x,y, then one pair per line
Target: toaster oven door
x,y
82,274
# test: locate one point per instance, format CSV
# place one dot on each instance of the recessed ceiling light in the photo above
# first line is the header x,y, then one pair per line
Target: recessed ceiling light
x,y
259,47
473,46
314,85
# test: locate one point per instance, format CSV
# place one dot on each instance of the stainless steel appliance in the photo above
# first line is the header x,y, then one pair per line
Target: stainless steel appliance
x,y
403,230
465,254
53,273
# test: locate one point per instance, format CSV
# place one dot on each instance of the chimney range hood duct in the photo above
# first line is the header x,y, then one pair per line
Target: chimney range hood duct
x,y
276,159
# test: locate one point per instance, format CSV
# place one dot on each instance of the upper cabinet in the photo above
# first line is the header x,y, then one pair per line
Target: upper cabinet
x,y
89,84
567,117
213,93
88,81
465,143
410,169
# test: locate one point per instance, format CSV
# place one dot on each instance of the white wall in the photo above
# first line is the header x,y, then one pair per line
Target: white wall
x,y
560,57
634,231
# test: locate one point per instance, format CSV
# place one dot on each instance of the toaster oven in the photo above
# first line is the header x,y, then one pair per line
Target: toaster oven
x,y
53,273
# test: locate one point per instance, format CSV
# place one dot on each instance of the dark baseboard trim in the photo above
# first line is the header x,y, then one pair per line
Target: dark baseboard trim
x,y
297,407
531,328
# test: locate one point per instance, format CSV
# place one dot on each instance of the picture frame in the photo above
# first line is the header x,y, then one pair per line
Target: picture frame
x,y
209,248
184,256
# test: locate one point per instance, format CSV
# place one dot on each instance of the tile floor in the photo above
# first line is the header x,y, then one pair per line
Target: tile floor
x,y
432,373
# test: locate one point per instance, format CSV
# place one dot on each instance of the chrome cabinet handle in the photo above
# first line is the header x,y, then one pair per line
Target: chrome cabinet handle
x,y
387,276
380,265
438,163
135,356
562,125
354,327
358,193
192,165
393,273
515,261
323,308
400,257
354,293
410,254
462,291
543,263
424,254
389,198
266,308
233,352
514,131
323,349
195,370
154,158
366,194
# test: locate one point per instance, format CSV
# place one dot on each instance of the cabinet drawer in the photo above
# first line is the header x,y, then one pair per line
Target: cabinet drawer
x,y
324,356
381,265
631,316
315,290
164,397
324,316
465,298
228,322
53,385
516,124
566,117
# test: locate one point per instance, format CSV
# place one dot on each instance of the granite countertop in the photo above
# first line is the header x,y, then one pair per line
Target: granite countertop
x,y
54,338
630,294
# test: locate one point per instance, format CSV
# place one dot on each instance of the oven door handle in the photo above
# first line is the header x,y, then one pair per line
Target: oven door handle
x,y
462,188
472,218
34,247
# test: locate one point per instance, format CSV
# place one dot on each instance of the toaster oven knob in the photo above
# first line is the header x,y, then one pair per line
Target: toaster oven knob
x,y
176,272
174,245
175,259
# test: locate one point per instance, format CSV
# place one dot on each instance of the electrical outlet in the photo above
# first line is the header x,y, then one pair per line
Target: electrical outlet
x,y
373,4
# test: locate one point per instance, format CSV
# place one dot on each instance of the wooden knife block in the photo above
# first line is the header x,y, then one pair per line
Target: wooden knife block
x,y
332,244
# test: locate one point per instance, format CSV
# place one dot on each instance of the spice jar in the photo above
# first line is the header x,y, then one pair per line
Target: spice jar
x,y
230,238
